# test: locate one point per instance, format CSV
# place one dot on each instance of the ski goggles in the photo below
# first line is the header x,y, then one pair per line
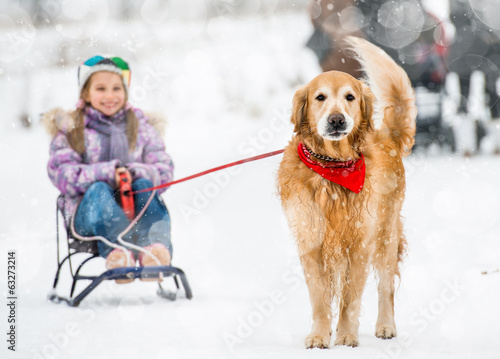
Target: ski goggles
x,y
100,63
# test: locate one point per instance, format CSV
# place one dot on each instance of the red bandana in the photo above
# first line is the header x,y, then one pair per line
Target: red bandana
x,y
349,174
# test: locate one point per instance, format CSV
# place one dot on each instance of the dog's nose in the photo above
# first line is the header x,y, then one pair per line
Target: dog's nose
x,y
336,119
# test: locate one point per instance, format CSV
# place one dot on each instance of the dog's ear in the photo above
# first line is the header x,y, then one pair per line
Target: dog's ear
x,y
367,102
299,108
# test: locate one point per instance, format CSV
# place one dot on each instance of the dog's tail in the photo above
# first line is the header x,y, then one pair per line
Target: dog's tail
x,y
392,88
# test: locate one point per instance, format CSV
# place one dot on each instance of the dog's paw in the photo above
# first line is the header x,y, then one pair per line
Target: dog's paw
x,y
348,340
385,331
317,341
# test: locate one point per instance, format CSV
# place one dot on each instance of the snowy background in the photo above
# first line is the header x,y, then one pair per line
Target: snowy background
x,y
224,77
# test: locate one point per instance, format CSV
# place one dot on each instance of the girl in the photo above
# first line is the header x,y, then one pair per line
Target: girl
x,y
104,137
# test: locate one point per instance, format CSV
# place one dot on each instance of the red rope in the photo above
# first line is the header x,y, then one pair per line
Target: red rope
x,y
255,158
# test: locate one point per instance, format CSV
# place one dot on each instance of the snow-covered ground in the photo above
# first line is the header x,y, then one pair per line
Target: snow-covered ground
x,y
228,99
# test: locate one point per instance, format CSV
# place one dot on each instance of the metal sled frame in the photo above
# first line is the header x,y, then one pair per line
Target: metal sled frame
x,y
75,247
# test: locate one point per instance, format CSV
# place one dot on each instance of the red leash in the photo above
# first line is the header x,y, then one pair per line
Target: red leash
x,y
255,158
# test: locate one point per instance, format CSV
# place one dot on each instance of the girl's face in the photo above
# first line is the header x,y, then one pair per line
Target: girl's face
x,y
106,92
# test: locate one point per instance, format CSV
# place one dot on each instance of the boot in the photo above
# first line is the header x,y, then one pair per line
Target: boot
x,y
117,258
160,252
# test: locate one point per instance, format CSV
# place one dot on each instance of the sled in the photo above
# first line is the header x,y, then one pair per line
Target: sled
x,y
75,246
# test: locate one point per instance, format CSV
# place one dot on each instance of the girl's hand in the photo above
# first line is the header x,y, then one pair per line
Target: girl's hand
x,y
117,175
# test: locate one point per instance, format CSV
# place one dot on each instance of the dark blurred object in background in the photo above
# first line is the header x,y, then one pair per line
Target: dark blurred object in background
x,y
26,121
333,20
408,33
476,46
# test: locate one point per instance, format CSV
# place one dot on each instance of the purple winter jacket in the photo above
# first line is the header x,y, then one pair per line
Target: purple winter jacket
x,y
73,173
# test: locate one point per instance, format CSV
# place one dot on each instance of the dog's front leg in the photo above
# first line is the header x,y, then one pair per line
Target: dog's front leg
x,y
320,294
350,301
390,244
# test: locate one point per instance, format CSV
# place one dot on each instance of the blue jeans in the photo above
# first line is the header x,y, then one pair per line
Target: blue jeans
x,y
99,214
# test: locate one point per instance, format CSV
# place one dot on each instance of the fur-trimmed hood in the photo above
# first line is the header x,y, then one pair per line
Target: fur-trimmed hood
x,y
58,119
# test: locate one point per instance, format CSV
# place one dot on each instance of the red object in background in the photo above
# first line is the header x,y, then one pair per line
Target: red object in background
x,y
126,196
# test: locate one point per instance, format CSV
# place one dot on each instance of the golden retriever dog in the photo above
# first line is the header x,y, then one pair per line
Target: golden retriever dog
x,y
342,185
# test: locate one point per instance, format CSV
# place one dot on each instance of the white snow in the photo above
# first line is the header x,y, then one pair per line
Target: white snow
x,y
227,96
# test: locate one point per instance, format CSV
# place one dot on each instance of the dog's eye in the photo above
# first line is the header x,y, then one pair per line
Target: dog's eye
x,y
320,98
349,97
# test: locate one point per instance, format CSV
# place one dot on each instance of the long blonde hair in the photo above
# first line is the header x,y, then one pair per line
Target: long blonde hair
x,y
76,137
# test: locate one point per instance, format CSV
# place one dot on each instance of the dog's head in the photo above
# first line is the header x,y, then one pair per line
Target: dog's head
x,y
334,106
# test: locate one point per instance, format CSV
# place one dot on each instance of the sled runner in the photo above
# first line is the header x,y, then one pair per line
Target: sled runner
x,y
75,246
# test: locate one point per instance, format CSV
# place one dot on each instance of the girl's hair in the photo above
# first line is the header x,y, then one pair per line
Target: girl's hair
x,y
76,137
